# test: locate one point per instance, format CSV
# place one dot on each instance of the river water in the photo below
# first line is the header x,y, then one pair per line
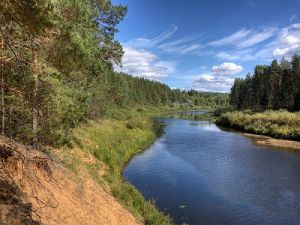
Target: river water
x,y
200,174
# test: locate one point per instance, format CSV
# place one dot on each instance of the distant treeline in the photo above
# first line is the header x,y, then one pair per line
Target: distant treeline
x,y
57,70
270,87
140,91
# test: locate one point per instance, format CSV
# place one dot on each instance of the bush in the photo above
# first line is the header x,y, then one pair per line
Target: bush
x,y
136,123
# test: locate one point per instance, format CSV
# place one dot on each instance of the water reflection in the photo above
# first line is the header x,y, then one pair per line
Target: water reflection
x,y
194,115
201,174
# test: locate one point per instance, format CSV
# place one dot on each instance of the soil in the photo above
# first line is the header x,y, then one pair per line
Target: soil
x,y
269,141
34,189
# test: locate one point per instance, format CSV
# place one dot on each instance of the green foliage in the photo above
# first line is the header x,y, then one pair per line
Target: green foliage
x,y
57,65
135,123
56,56
57,72
219,111
270,87
279,124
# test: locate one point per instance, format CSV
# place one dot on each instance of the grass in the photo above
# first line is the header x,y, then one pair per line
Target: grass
x,y
114,142
278,124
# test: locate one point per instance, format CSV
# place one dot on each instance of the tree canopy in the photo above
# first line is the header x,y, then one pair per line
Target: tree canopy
x,y
276,86
57,62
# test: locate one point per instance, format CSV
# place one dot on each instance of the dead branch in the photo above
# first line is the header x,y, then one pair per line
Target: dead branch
x,y
11,89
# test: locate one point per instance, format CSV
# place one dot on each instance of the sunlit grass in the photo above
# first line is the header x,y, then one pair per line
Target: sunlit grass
x,y
114,142
279,124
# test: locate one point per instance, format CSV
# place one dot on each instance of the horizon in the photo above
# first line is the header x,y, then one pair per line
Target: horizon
x,y
186,47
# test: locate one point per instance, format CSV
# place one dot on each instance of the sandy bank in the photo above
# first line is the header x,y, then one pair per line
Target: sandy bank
x,y
269,141
57,195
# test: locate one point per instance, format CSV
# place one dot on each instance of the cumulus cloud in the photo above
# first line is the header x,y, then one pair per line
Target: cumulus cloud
x,y
209,82
227,68
143,63
219,79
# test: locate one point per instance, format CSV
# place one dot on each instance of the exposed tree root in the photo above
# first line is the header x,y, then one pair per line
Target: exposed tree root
x,y
18,167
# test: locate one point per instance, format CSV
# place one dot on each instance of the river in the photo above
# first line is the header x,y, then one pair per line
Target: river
x,y
200,174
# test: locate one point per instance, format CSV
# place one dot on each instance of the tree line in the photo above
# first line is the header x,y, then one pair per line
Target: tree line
x,y
275,86
57,62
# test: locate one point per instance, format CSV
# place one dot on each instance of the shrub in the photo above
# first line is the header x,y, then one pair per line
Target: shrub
x,y
279,124
135,123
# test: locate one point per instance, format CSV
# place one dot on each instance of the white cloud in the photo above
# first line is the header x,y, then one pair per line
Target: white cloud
x,y
227,68
286,51
208,82
167,34
149,43
278,42
256,38
245,38
233,38
264,53
181,49
185,45
246,45
293,17
235,55
288,42
162,42
296,26
143,63
261,44
218,79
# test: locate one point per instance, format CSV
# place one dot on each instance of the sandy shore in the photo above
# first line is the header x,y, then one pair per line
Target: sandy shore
x,y
269,141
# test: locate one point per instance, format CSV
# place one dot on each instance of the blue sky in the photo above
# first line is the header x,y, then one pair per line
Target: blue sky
x,y
205,44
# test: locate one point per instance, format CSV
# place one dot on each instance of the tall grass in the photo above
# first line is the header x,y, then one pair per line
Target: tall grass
x,y
114,142
279,124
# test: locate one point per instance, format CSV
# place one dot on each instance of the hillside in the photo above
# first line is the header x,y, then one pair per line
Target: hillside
x,y
56,195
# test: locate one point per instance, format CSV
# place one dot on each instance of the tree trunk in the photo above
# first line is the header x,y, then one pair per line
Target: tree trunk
x,y
2,105
35,94
2,93
10,122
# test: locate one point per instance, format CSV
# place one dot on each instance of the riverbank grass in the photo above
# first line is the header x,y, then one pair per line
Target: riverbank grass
x,y
113,143
279,124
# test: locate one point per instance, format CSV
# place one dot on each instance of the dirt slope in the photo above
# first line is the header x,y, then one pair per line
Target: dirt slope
x,y
57,195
